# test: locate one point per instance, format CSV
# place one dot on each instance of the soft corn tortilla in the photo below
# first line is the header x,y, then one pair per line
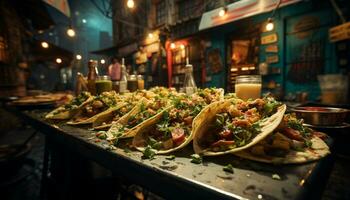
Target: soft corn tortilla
x,y
318,150
206,117
106,116
93,118
64,113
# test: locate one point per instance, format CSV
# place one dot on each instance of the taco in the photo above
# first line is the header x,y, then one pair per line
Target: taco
x,y
69,110
233,125
291,142
100,105
172,129
105,120
144,110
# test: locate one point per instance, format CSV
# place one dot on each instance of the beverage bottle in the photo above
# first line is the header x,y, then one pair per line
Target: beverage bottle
x,y
189,86
123,83
92,76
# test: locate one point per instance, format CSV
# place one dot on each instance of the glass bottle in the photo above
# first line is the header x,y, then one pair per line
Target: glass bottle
x,y
92,76
123,83
189,86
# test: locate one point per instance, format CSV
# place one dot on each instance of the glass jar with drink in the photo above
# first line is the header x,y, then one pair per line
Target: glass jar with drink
x,y
103,84
248,87
132,83
140,82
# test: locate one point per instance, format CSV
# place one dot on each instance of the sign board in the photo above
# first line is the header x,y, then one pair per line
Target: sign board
x,y
273,48
240,10
341,32
268,39
272,59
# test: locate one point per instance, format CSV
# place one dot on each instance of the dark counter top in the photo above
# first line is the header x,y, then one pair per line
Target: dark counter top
x,y
179,178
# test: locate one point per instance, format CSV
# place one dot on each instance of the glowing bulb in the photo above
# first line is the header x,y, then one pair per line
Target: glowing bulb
x,y
45,45
172,45
84,21
58,60
182,46
269,26
78,57
130,3
103,61
222,12
150,35
70,32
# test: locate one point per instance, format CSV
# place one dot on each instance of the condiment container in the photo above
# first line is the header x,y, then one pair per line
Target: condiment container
x,y
322,116
103,84
92,76
132,83
140,82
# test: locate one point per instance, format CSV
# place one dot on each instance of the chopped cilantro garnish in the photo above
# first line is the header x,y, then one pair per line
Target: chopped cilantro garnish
x,y
142,107
101,135
276,177
154,143
308,143
148,153
271,106
228,168
126,150
115,142
298,125
171,157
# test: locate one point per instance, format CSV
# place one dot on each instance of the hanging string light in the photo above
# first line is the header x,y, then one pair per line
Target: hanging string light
x,y
70,32
45,45
130,4
269,26
78,57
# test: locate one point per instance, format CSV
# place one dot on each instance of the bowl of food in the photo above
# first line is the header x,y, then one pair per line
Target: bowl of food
x,y
322,116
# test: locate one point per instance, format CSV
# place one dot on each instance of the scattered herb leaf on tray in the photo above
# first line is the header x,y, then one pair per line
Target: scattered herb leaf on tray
x,y
228,168
196,159
171,157
148,153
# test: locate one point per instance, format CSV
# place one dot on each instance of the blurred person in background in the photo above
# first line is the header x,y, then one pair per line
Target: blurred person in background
x,y
114,69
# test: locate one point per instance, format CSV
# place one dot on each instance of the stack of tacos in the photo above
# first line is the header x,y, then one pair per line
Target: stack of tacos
x,y
164,120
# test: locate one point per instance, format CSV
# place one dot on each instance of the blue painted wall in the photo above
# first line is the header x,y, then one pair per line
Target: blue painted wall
x,y
283,22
